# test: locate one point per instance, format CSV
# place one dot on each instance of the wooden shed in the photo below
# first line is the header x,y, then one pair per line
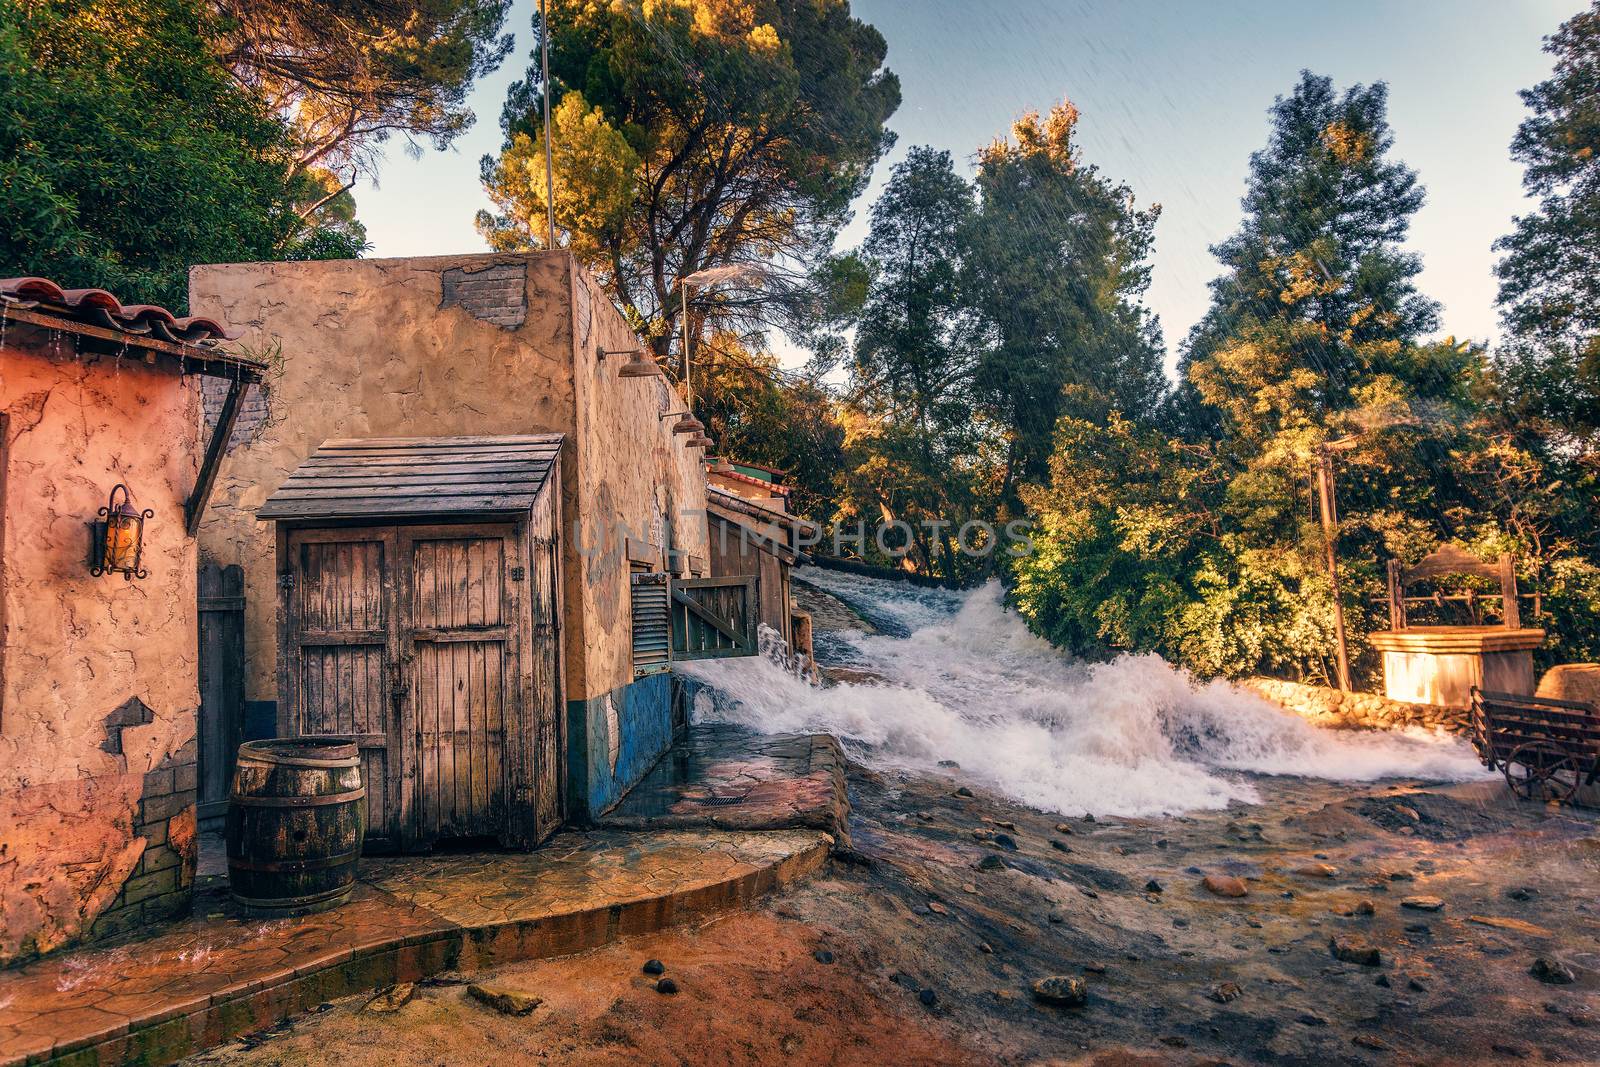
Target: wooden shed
x,y
419,614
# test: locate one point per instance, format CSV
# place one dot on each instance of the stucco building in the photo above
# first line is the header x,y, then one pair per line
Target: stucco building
x,y
475,346
99,412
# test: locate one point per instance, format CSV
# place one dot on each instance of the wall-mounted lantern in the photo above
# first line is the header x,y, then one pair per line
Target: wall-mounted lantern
x,y
700,440
117,537
639,365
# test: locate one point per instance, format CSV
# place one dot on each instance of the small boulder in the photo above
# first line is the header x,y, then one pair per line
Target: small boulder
x,y
1059,846
1316,870
986,948
504,1000
1551,970
392,999
1225,885
952,764
991,862
1006,841
1061,990
1351,950
1063,828
822,955
929,998
1153,886
962,791
654,967
1423,903
667,986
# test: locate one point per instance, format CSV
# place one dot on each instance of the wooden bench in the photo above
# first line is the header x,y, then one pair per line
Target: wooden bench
x,y
1547,749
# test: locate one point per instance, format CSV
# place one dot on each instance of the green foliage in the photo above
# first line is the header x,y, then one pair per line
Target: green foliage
x,y
127,153
1057,260
698,134
1205,546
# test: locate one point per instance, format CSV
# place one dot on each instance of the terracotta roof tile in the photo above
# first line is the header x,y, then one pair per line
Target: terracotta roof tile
x,y
101,308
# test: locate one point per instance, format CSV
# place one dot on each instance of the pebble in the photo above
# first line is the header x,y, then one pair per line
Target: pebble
x,y
968,887
1153,886
1422,903
1063,828
503,1000
938,908
1308,1019
928,998
1088,816
822,955
963,791
1383,981
1366,907
1006,841
925,816
1056,917
1350,950
1522,892
654,967
1416,985
1095,968
1225,885
1060,846
1377,1044
1065,991
1551,970
1006,825
991,862
666,985
950,763
1225,992
986,948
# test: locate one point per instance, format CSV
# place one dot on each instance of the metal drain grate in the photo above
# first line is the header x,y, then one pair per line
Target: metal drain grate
x,y
718,802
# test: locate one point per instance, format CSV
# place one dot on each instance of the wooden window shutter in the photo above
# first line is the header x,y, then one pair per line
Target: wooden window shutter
x,y
651,623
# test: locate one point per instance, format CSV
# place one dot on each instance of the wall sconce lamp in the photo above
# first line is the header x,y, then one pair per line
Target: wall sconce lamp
x,y
639,365
700,440
687,423
117,537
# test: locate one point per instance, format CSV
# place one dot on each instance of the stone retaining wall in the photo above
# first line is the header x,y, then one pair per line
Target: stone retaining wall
x,y
1356,711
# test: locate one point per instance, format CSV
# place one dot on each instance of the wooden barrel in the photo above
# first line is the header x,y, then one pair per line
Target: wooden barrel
x,y
296,816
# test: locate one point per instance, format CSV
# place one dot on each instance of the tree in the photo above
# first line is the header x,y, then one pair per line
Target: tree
x,y
696,134
911,378
1057,260
127,153
1550,276
1202,544
348,74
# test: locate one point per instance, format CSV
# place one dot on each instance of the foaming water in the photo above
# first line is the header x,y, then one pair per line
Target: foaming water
x,y
970,683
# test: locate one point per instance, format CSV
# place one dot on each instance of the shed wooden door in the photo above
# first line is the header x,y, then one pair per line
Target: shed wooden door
x,y
459,643
338,675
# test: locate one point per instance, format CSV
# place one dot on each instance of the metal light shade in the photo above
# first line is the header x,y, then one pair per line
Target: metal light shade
x,y
119,537
700,440
640,365
688,424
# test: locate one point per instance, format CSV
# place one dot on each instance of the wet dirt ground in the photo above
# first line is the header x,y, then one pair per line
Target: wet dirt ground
x,y
1385,923
934,946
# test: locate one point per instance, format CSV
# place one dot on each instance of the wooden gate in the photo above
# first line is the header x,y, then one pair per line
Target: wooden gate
x,y
714,617
221,610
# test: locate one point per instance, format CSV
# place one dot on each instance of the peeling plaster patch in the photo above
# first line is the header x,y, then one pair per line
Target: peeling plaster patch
x,y
497,294
584,313
132,712
613,731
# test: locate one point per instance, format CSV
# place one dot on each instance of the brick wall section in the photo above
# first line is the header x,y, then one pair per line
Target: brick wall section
x,y
1356,711
162,884
253,410
497,294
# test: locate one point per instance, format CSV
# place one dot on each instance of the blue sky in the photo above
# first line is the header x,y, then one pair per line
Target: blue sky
x,y
1174,97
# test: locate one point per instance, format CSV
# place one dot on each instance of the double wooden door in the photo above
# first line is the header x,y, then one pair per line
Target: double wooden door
x,y
409,641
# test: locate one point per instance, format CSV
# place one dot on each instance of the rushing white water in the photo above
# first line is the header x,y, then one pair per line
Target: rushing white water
x,y
968,682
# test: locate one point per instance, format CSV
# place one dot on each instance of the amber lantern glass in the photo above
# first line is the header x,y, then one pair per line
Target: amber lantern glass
x,y
122,537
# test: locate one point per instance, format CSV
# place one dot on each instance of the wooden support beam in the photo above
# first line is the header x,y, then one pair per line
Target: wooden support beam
x,y
215,448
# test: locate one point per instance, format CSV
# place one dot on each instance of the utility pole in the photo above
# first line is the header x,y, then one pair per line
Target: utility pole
x,y
1330,523
549,163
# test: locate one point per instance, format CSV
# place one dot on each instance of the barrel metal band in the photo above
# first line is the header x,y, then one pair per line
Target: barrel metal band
x,y
300,761
284,903
297,802
321,863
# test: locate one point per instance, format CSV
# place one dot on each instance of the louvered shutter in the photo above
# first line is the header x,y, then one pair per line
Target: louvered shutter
x,y
651,624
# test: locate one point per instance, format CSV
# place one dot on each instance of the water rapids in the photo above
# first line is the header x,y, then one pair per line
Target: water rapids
x,y
957,676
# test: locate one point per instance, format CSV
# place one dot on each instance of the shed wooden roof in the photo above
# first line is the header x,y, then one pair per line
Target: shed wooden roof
x,y
416,476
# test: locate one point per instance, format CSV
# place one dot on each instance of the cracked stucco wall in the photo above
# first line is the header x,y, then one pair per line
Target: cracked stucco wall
x,y
477,344
100,686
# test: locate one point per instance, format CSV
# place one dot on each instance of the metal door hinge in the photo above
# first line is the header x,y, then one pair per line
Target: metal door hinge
x,y
517,574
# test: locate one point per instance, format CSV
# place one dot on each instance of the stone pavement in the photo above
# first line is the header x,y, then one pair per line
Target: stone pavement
x,y
732,778
205,980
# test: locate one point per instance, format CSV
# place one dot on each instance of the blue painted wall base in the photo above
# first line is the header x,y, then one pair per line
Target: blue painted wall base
x,y
640,716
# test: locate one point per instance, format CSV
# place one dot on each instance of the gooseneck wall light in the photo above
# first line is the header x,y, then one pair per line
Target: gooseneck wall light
x,y
117,537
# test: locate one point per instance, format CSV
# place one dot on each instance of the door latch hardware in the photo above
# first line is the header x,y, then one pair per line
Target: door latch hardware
x,y
517,574
286,580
